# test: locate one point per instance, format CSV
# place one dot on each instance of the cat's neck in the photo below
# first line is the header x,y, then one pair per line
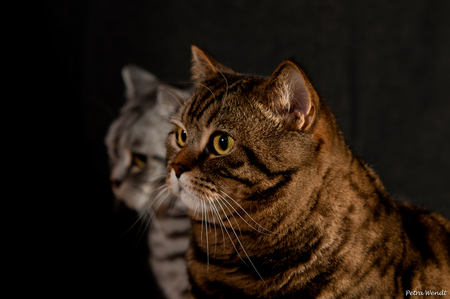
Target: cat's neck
x,y
339,183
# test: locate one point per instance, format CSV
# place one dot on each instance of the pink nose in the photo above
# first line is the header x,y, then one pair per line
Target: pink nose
x,y
179,169
115,183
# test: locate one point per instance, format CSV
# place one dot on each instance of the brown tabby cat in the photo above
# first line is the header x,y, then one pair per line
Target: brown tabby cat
x,y
280,207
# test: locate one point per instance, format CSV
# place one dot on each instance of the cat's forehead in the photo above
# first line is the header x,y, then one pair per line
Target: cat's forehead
x,y
222,101
139,130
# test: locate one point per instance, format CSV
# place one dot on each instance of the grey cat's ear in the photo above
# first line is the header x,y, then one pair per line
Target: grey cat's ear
x,y
138,81
205,66
292,95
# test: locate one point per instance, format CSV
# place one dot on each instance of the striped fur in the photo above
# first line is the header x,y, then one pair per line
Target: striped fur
x,y
141,129
290,212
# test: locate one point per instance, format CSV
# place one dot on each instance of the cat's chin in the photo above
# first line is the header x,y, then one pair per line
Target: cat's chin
x,y
192,203
195,204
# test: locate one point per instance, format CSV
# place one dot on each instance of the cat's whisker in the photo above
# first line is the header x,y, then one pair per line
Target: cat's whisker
x,y
240,216
151,213
211,202
242,246
220,221
223,192
158,191
203,85
206,233
138,220
201,230
172,201
154,178
172,95
226,204
196,208
158,204
231,226
226,82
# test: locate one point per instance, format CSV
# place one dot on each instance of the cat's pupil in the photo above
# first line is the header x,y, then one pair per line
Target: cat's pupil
x,y
223,142
181,134
139,160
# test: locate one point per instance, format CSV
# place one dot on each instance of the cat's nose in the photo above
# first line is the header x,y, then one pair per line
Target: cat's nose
x,y
179,169
115,183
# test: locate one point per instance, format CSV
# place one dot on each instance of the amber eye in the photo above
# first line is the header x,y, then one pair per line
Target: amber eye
x,y
139,160
223,143
181,137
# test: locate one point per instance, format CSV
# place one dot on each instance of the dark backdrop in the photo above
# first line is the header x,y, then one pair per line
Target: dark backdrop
x,y
383,66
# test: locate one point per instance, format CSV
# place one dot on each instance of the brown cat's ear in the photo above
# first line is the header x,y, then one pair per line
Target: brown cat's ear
x,y
292,96
205,66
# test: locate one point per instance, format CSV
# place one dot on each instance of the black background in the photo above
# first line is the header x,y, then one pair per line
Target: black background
x,y
383,66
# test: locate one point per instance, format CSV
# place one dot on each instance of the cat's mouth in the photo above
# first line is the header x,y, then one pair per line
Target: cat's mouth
x,y
193,198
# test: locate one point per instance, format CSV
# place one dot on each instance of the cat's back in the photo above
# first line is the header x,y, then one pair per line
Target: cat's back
x,y
427,239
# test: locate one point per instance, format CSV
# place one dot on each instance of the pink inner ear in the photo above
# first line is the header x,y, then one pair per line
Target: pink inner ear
x,y
300,99
293,96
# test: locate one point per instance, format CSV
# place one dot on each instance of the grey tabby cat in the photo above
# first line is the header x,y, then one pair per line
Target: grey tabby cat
x,y
136,148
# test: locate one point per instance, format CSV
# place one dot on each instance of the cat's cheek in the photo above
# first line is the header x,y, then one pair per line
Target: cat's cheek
x,y
188,201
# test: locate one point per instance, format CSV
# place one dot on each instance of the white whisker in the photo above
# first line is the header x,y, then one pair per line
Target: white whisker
x,y
207,242
222,191
243,249
214,222
141,215
226,204
201,230
231,240
240,216
220,222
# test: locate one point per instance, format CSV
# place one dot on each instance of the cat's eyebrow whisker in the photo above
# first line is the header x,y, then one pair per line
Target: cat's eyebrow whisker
x,y
203,85
226,82
172,94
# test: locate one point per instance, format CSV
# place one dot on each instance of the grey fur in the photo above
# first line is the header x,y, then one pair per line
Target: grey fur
x,y
141,129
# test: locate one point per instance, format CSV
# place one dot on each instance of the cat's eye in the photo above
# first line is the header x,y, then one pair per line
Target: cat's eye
x,y
181,137
139,160
223,143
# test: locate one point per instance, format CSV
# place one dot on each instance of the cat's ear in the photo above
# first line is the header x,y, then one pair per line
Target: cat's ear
x,y
292,96
204,66
138,81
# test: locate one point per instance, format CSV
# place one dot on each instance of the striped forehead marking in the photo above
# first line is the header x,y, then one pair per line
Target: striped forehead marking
x,y
212,94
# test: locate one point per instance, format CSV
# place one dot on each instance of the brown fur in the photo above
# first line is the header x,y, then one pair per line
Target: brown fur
x,y
290,212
